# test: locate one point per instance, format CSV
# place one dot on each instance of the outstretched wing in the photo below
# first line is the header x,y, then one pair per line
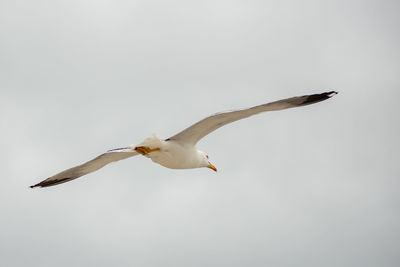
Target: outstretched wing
x,y
88,167
197,131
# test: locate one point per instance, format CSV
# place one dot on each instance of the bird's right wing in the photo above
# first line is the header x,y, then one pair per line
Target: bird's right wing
x,y
88,167
194,133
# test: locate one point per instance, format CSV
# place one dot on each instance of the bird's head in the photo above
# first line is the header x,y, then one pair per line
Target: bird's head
x,y
205,161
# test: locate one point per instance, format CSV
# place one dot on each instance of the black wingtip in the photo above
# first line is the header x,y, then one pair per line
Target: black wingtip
x,y
331,93
47,182
311,99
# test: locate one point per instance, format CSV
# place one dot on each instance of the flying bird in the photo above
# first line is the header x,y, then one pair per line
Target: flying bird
x,y
179,151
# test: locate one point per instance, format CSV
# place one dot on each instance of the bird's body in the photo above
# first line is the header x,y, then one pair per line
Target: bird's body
x,y
179,151
172,154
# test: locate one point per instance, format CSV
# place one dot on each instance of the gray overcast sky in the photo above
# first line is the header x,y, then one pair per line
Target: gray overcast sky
x,y
313,186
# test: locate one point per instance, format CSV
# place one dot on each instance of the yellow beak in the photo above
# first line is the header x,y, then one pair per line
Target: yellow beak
x,y
212,167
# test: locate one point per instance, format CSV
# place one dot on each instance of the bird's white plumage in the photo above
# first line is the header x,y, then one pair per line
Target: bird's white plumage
x,y
179,151
174,154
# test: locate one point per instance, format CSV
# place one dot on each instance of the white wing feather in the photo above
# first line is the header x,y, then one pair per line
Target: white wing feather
x,y
194,133
88,167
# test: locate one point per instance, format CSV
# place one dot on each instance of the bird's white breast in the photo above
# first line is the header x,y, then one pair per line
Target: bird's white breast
x,y
173,155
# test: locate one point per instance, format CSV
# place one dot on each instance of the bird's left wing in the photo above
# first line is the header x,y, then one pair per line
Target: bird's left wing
x,y
200,129
88,167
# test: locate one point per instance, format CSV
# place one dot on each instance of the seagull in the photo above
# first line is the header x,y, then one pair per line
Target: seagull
x,y
179,151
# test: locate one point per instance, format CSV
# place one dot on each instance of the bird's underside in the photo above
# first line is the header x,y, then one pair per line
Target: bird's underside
x,y
179,151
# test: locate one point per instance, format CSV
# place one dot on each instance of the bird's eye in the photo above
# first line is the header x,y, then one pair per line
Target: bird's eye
x,y
206,156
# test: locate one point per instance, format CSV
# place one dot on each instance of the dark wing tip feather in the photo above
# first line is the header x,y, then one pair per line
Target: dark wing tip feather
x,y
36,185
46,183
311,99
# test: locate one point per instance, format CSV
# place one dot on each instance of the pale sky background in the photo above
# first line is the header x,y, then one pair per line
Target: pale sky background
x,y
312,186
